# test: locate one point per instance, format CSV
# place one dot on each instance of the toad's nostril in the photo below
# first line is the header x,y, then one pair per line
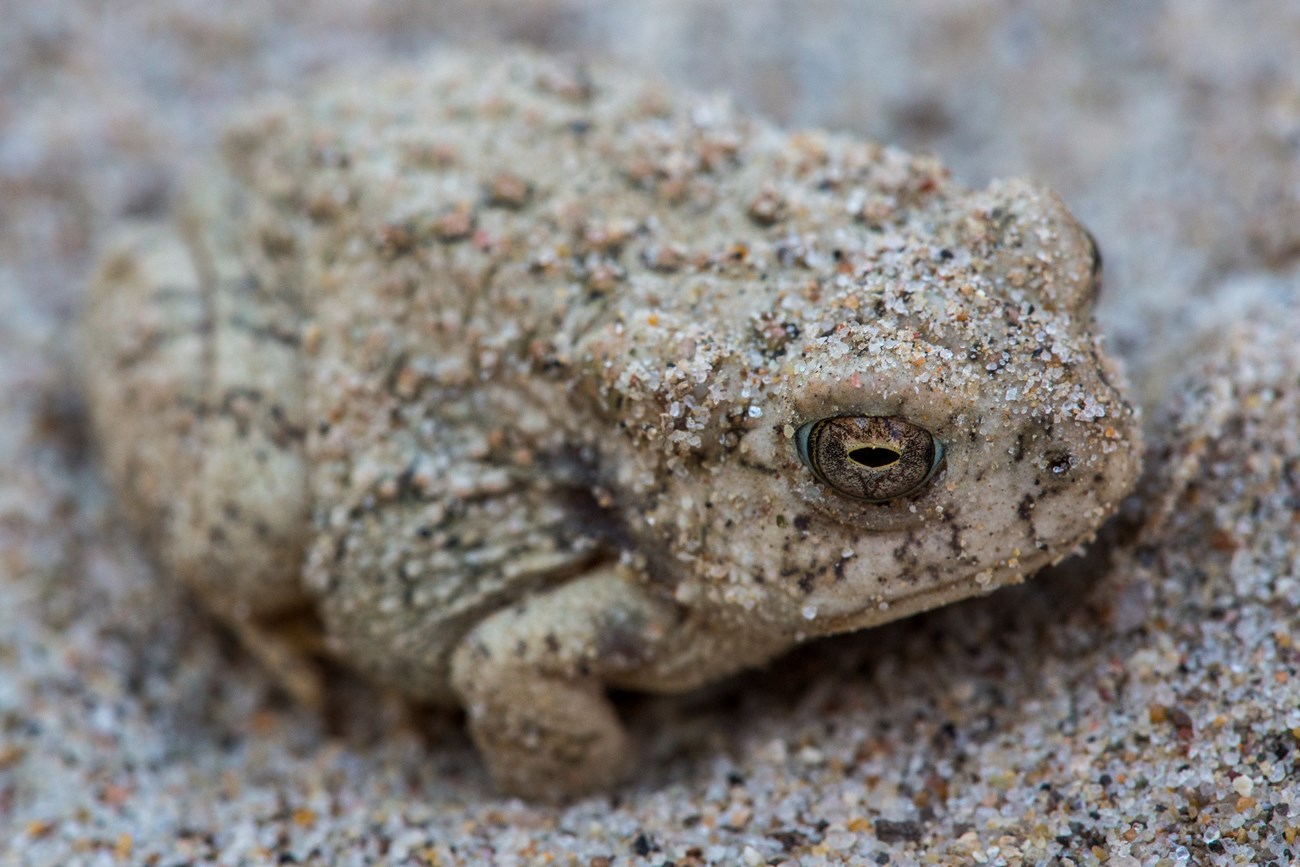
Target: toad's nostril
x,y
1059,464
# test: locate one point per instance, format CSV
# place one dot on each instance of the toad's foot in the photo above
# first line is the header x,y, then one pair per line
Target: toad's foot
x,y
532,678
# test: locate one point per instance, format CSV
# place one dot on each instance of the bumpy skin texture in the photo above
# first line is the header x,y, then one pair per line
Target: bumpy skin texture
x,y
498,365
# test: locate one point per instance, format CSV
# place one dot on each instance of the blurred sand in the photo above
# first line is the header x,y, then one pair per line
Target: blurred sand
x,y
1139,706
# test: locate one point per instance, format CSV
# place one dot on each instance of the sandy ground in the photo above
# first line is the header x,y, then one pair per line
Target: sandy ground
x,y
1140,706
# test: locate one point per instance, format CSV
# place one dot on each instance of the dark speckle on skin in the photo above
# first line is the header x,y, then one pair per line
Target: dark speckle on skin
x,y
1025,509
954,537
620,642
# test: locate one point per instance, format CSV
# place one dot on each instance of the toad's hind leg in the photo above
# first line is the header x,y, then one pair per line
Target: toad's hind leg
x,y
192,378
533,676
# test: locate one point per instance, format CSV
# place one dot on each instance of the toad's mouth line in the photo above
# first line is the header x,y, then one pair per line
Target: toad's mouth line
x,y
1002,575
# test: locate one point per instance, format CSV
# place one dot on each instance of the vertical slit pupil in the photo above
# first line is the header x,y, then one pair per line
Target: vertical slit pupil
x,y
874,456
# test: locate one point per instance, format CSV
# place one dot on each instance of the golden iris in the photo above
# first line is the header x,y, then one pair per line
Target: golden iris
x,y
872,457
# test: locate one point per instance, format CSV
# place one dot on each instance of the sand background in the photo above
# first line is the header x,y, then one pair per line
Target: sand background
x,y
1139,706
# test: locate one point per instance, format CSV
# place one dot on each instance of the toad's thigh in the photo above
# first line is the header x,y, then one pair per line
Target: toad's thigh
x,y
399,582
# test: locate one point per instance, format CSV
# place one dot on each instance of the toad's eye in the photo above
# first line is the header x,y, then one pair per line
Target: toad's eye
x,y
873,457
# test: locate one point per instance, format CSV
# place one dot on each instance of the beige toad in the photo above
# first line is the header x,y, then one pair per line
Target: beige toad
x,y
530,380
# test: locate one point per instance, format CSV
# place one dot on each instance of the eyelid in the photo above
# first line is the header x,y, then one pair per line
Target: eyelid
x,y
801,436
